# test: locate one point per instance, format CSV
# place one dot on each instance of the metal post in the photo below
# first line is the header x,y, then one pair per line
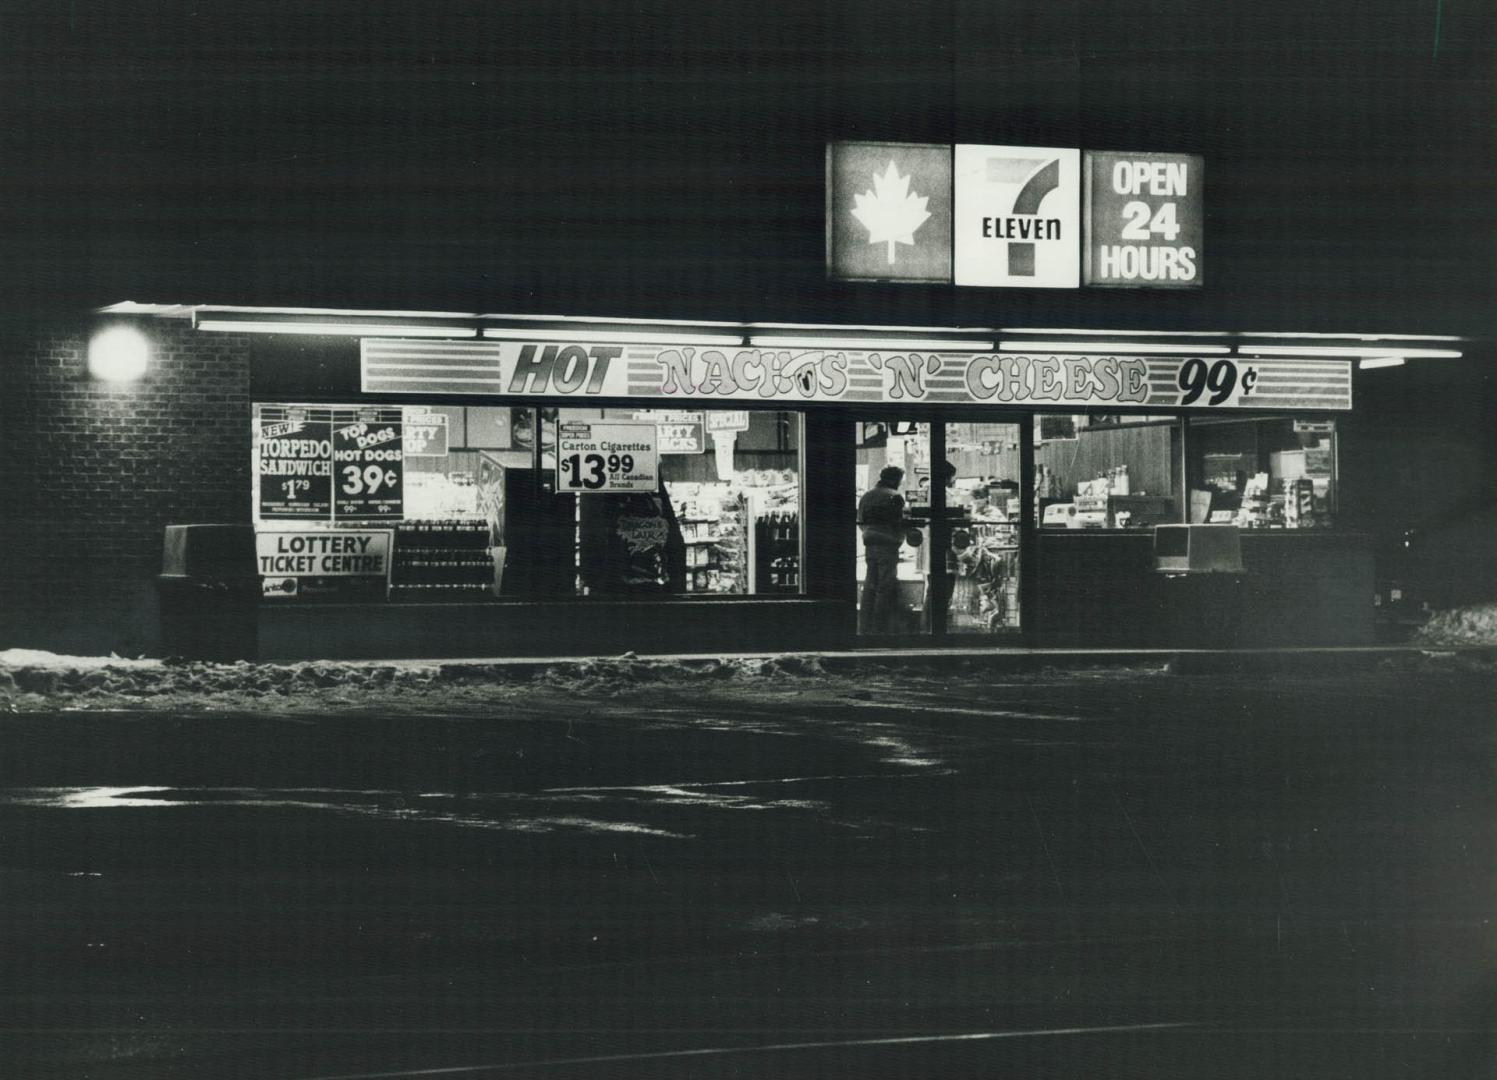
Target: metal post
x,y
1028,545
940,531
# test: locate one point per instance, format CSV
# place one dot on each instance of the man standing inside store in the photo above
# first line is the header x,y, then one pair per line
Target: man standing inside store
x,y
881,516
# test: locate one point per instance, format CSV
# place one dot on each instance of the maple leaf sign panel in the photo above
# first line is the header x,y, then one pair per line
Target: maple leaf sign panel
x,y
889,211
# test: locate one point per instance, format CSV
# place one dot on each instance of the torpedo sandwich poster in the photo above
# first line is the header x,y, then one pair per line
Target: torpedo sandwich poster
x,y
294,466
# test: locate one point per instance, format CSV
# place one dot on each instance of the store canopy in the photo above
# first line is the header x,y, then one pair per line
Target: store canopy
x,y
1370,349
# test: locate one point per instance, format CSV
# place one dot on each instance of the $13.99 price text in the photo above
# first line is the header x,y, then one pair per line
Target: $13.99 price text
x,y
593,471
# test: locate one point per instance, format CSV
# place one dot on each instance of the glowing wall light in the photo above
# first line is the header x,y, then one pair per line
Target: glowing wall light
x,y
118,353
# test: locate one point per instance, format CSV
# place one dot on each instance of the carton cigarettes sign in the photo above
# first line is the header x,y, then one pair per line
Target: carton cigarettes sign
x,y
607,458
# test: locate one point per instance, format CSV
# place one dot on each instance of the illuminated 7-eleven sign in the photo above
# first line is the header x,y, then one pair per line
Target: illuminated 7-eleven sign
x,y
1011,216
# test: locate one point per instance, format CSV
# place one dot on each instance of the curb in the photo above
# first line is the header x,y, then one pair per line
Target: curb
x,y
1010,661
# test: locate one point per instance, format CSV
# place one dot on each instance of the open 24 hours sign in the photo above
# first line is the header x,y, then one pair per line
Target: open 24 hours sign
x,y
1144,217
594,456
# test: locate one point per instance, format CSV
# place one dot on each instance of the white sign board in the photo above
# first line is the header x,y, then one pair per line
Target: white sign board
x,y
325,563
725,420
425,434
670,373
676,432
607,457
1017,216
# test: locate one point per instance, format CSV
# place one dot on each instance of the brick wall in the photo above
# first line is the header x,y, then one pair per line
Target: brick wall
x,y
93,472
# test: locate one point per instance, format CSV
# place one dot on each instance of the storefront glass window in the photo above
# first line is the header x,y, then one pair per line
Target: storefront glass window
x,y
1277,473
1107,472
609,503
720,516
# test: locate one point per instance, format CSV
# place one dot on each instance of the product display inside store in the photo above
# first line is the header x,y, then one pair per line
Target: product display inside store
x,y
1106,472
483,501
1134,472
1274,473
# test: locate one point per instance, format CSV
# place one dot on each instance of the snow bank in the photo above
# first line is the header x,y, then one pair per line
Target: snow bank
x,y
37,658
1475,625
38,681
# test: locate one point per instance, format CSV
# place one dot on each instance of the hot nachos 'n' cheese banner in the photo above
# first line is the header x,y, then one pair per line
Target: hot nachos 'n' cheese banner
x,y
699,375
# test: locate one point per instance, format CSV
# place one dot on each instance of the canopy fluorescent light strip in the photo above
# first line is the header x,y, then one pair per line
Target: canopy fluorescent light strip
x,y
1389,338
423,330
362,313
865,328
1120,347
632,337
1346,350
1367,363
794,341
596,320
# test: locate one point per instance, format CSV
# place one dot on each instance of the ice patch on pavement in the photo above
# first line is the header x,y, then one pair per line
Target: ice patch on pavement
x,y
551,824
775,921
380,805
671,795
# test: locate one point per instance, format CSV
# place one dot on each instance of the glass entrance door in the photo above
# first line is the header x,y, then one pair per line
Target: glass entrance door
x,y
939,522
983,511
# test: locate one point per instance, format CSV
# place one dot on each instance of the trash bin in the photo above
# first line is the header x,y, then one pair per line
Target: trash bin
x,y
209,590
1200,574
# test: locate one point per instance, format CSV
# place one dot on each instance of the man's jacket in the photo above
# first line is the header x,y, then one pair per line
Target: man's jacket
x,y
881,514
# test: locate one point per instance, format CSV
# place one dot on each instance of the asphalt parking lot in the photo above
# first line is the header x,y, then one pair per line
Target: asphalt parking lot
x,y
1121,873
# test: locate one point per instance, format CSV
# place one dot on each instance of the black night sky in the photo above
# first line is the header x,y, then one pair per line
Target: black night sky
x,y
665,159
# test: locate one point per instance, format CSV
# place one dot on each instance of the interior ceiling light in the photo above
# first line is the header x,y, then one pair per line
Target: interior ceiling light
x,y
661,337
389,330
1123,348
1346,350
1369,362
801,341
